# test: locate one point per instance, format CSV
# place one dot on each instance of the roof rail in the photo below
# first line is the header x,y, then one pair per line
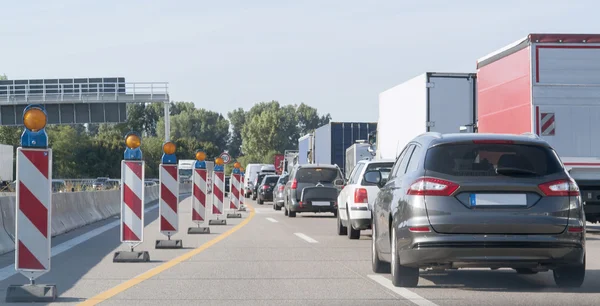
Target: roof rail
x,y
531,135
433,134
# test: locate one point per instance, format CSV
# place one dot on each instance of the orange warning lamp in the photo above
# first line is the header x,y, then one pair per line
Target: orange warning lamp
x,y
34,119
219,161
237,165
200,156
169,148
133,141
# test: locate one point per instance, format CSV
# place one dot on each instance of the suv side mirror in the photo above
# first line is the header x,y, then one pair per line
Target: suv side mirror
x,y
338,183
373,177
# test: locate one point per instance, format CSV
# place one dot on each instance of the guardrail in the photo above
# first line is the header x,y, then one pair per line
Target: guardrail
x,y
71,210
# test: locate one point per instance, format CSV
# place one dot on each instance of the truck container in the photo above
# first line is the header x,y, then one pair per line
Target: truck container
x,y
548,85
278,162
305,149
6,164
332,140
354,153
430,102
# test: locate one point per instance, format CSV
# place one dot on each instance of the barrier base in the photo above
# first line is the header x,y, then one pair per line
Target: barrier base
x,y
126,256
31,293
234,215
243,208
168,244
199,230
217,222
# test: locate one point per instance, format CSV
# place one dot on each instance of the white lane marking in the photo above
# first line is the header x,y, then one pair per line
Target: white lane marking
x,y
272,220
403,292
9,271
306,238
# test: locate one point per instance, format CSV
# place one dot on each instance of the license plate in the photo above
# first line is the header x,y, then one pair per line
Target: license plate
x,y
320,203
498,199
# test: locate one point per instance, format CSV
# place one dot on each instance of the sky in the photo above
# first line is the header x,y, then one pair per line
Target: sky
x,y
335,55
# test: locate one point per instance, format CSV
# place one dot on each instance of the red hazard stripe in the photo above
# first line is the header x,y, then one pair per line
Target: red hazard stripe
x,y
234,190
202,174
172,170
132,201
27,260
199,195
39,159
128,234
548,123
218,193
196,216
216,210
136,168
167,196
165,225
33,209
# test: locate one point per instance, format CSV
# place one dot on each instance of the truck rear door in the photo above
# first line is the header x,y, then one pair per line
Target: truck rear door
x,y
451,102
565,91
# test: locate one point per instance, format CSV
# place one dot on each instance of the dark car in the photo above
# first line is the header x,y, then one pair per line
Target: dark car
x,y
478,201
227,184
266,188
256,184
99,183
312,188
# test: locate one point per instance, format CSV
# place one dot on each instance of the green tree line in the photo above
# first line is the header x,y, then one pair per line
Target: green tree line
x,y
256,135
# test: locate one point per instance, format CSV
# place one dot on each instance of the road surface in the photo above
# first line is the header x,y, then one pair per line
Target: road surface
x,y
266,258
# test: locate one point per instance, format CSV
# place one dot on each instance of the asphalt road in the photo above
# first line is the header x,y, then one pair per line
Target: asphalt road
x,y
266,258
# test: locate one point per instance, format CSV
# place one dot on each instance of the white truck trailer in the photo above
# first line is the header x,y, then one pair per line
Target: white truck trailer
x,y
354,153
6,164
430,102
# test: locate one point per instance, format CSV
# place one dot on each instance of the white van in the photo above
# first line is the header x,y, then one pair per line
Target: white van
x,y
250,173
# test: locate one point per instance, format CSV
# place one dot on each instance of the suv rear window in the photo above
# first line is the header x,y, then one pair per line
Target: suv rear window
x,y
316,175
492,160
271,179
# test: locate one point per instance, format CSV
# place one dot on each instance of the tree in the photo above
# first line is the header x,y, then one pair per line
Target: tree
x,y
269,127
69,150
309,119
208,128
237,119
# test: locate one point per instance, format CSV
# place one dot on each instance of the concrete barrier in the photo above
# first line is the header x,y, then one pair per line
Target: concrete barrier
x,y
72,210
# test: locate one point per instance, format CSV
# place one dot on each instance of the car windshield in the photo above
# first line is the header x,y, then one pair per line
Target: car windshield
x,y
185,172
316,175
492,160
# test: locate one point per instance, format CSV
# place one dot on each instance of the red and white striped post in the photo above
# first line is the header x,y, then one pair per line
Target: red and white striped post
x,y
234,194
218,207
168,195
132,202
241,190
199,195
33,233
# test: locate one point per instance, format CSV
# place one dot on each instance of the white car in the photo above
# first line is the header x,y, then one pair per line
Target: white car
x,y
356,199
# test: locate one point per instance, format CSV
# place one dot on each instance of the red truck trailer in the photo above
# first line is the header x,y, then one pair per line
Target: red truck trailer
x,y
548,85
278,163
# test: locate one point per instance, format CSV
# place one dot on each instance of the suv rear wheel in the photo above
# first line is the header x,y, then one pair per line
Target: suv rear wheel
x,y
401,276
570,276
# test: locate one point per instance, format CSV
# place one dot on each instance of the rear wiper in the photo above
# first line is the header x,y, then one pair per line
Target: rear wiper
x,y
510,170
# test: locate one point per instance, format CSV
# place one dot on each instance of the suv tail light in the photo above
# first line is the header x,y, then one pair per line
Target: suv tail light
x,y
281,187
360,196
294,184
429,186
265,187
560,188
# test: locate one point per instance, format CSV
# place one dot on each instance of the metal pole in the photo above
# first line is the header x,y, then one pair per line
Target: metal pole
x,y
167,122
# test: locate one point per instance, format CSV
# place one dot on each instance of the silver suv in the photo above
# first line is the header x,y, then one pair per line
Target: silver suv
x,y
478,201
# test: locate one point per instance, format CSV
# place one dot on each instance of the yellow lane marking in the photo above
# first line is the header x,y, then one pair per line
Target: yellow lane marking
x,y
167,265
